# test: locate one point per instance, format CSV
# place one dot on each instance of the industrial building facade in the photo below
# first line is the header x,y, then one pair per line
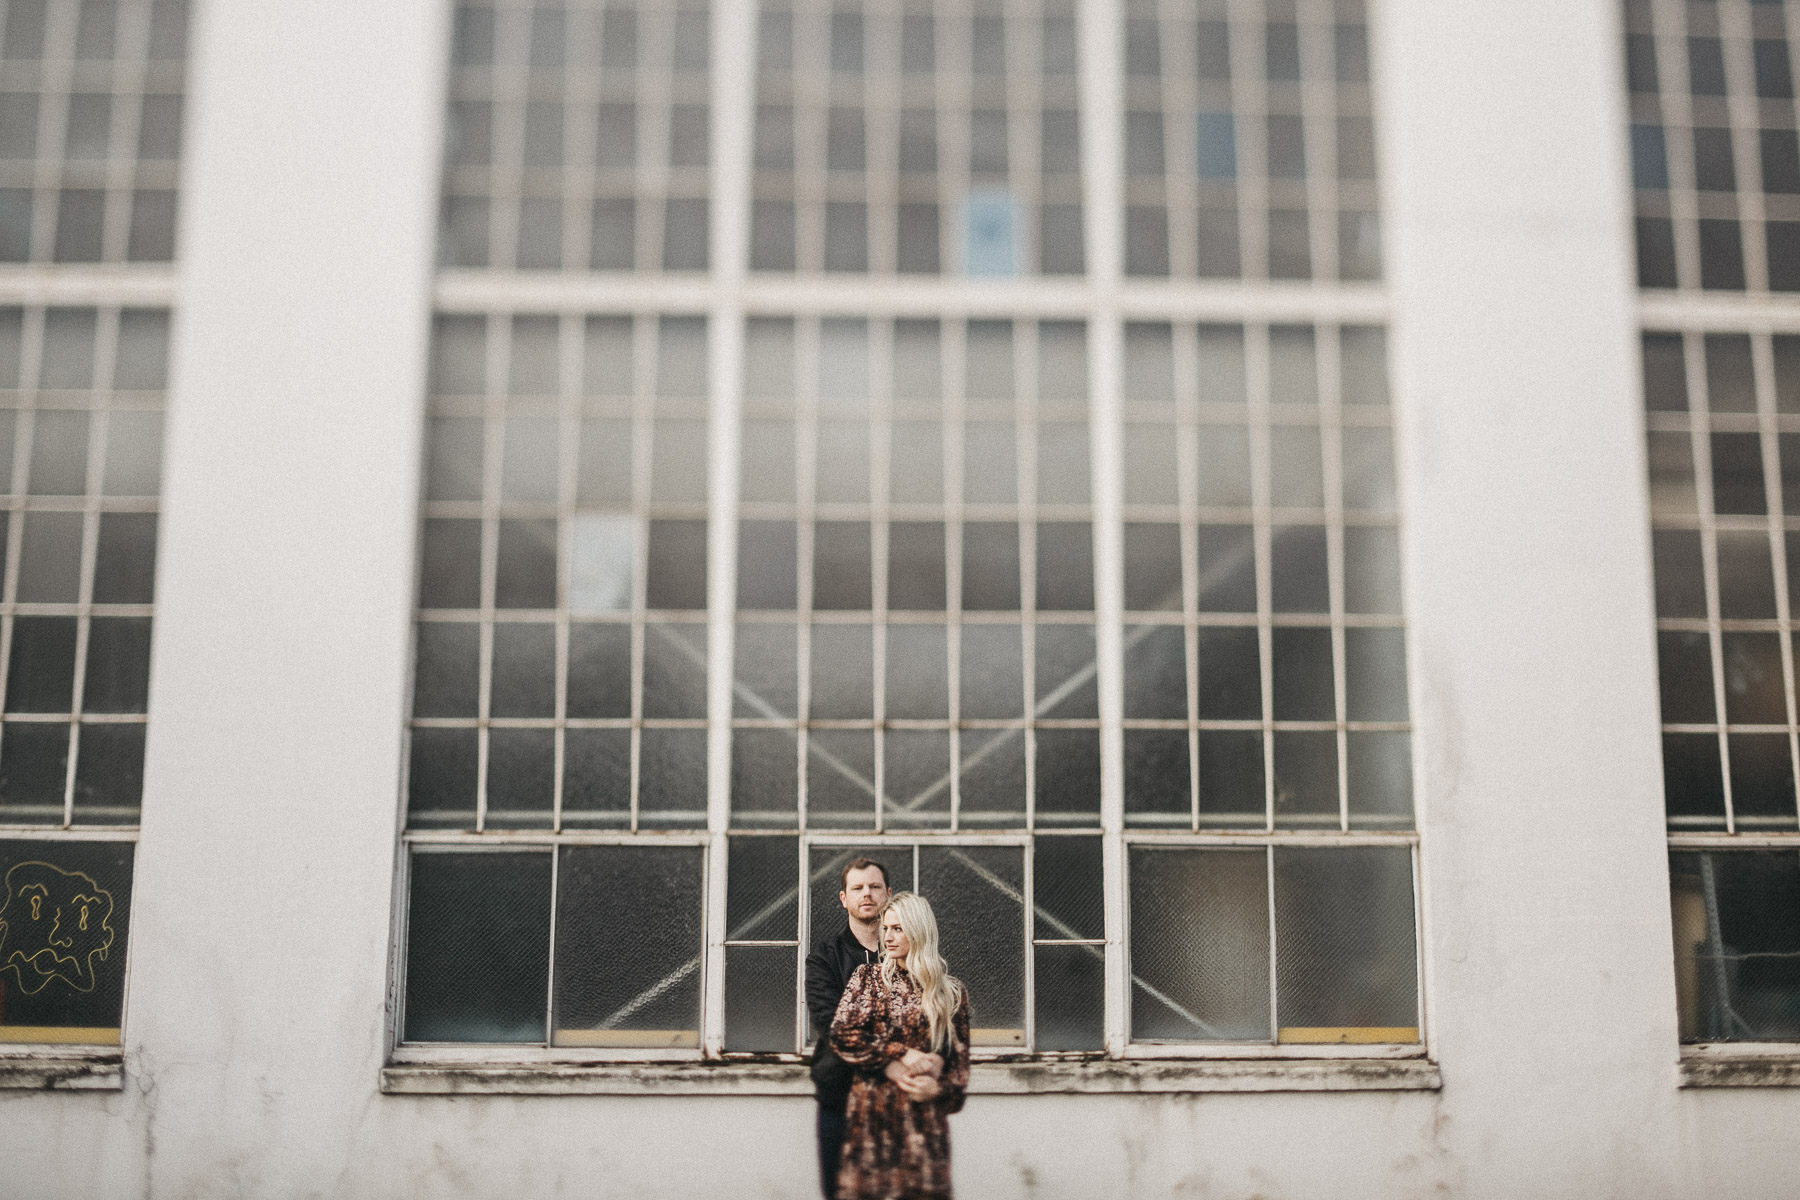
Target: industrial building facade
x,y
1205,490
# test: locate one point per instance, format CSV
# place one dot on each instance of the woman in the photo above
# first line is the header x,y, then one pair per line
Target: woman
x,y
903,1024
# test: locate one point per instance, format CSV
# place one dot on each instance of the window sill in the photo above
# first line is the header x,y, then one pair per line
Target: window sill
x,y
62,1068
1043,1077
1737,1066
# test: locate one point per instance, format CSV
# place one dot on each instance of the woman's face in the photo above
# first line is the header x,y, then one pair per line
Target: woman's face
x,y
893,938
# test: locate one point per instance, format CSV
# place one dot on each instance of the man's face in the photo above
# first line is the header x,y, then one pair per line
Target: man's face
x,y
865,891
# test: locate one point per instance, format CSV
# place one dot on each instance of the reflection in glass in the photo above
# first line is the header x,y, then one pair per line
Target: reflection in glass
x,y
1199,945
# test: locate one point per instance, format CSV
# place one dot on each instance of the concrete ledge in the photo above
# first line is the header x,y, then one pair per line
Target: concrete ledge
x,y
1042,1077
63,1071
1740,1070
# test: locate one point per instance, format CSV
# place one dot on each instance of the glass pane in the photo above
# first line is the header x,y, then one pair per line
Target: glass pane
x,y
1155,672
977,895
992,778
1306,779
1379,774
525,575
1680,579
449,566
1230,674
628,940
118,665
1157,777
1375,674
1737,945
1199,945
916,566
441,779
766,676
41,678
453,458
597,778
34,768
1232,794
1303,687
67,916
1371,570
767,458
1068,776
990,565
59,453
677,570
1070,997
1738,474
917,672
1150,471
50,558
672,779
762,896
916,763
916,463
1224,466
1762,781
1065,566
604,472
133,454
766,565
109,774
840,779
528,470
1066,874
1671,462
1065,669
1152,568
524,671
1227,557
841,566
1297,569
765,782
1062,466
1296,473
1684,670
675,669
1346,969
843,671
599,670
602,553
759,998
478,947
1369,468
1746,575
992,672
990,463
1754,693
521,778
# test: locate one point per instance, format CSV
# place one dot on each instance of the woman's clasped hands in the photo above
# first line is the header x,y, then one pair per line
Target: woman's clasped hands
x,y
916,1074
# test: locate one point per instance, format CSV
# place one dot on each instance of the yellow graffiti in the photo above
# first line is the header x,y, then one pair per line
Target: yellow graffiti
x,y
67,934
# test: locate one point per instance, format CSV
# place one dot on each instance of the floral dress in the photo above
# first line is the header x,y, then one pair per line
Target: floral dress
x,y
895,1148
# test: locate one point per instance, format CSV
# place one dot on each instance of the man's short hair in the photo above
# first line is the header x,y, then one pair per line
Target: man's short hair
x,y
860,864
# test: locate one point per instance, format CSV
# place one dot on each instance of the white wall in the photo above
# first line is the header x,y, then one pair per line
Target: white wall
x,y
260,929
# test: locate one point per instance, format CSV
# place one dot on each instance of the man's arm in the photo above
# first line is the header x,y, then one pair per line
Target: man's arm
x,y
824,988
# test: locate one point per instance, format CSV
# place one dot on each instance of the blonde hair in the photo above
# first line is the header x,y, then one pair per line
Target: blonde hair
x,y
938,992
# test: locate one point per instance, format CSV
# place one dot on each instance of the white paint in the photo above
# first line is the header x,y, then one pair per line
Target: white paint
x,y
255,1024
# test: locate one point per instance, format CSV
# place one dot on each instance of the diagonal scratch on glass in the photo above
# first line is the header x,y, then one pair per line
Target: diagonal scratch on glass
x,y
1219,570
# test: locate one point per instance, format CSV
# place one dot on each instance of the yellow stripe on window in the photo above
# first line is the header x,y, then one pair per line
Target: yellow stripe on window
x,y
1348,1035
61,1035
682,1039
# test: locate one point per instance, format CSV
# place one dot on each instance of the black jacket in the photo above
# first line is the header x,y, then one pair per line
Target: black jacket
x,y
828,971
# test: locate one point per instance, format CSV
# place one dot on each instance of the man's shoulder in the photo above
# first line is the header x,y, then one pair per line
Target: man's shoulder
x,y
831,945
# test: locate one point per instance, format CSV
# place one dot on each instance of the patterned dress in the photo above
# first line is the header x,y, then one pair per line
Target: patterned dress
x,y
895,1148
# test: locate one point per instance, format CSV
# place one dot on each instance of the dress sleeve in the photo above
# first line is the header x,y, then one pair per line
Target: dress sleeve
x,y
953,1084
860,1033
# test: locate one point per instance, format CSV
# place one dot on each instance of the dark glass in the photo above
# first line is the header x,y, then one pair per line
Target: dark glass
x,y
840,774
992,675
478,947
1152,567
765,781
1070,995
1762,782
1068,776
1783,242
766,565
1655,252
1378,777
1746,575
599,670
1640,62
1774,78
1227,560
450,567
1199,944
447,670
1232,779
118,665
762,895
1714,170
1068,895
441,779
916,566
990,556
34,768
125,559
992,777
765,672
1306,779
843,671
1665,378
917,672
1371,569
453,458
521,778
524,672
109,774
1156,671
41,677
842,579
1158,782
1680,584
1065,672
1303,679
759,998
1346,966
917,778
672,778
1706,66
1693,786
1684,669
1065,566
525,574
675,670
597,777
1375,674
1742,982
50,558
1230,674
1754,691
1297,567
1787,372
1730,378
67,910
1738,474
677,569
976,891
1780,161
1721,255
628,937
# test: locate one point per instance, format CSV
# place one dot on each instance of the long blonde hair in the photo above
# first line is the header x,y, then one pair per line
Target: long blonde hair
x,y
938,992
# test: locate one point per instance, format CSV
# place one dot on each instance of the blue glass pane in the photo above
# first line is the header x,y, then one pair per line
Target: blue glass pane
x,y
991,221
1649,162
1215,146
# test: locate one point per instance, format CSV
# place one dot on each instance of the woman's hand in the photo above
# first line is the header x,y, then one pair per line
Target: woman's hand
x,y
919,1062
919,1086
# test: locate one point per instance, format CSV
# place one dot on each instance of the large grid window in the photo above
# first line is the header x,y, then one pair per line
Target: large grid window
x,y
1088,628
90,129
1249,142
91,97
578,137
1715,160
920,139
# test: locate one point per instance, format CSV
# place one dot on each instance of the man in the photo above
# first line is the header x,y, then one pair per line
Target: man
x,y
863,891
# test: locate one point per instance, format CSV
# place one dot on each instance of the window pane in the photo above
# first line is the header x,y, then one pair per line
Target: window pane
x,y
992,778
599,670
1742,984
41,678
976,893
675,670
1156,671
1346,968
118,665
67,907
1157,778
628,940
50,558
672,779
478,947
765,782
759,998
917,672
521,778
1199,945
766,676
596,778
441,779
917,776
109,774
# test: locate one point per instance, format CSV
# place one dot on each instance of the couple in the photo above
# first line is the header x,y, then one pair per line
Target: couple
x,y
893,1055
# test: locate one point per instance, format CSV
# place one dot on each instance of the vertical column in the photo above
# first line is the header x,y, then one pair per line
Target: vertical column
x,y
1527,578
733,102
1100,29
265,895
